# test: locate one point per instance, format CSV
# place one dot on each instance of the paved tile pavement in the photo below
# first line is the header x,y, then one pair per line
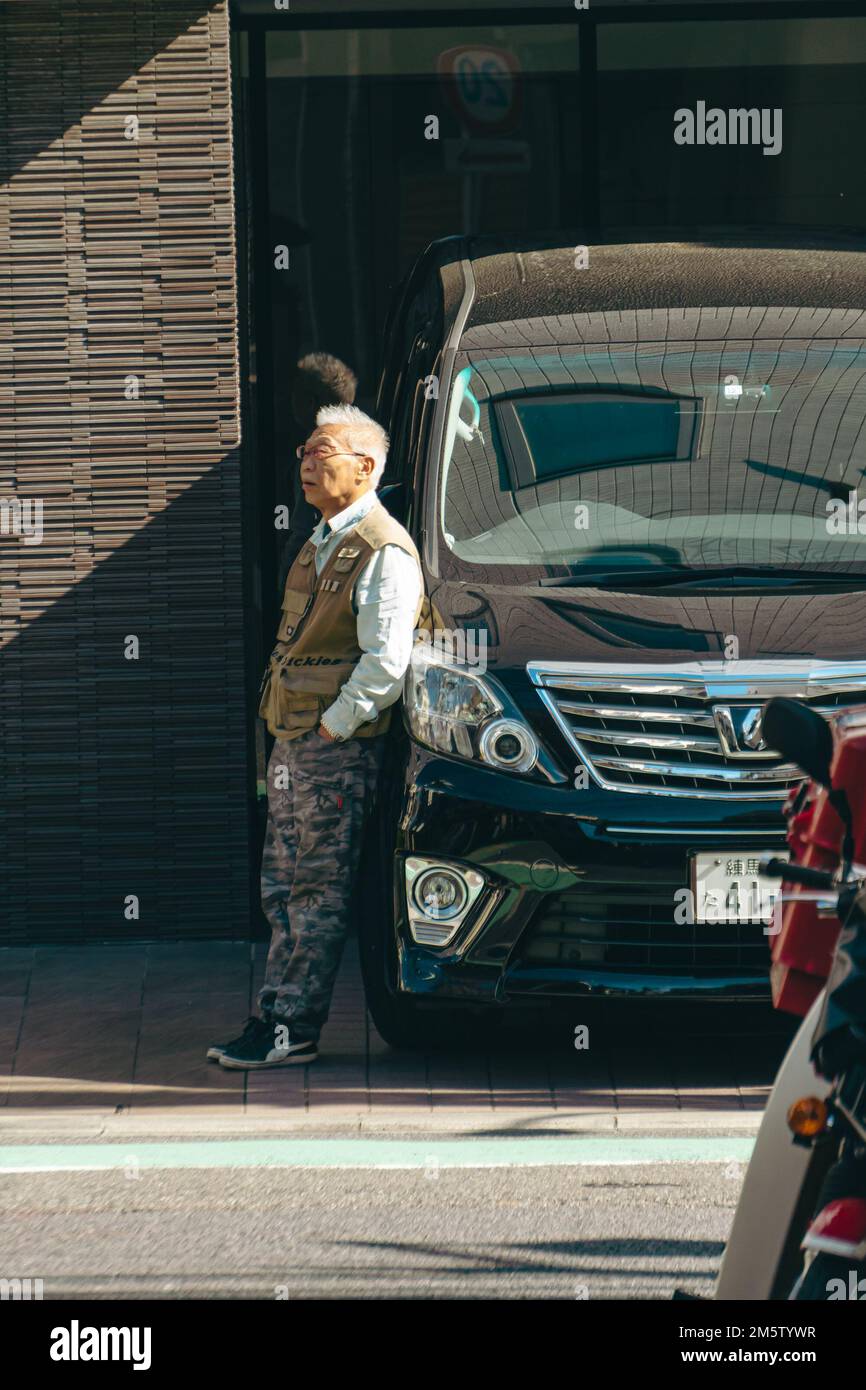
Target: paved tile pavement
x,y
110,1041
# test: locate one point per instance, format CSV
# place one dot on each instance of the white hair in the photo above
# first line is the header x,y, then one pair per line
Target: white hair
x,y
364,434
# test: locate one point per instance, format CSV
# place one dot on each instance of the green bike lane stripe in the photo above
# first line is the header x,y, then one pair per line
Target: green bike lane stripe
x,y
374,1153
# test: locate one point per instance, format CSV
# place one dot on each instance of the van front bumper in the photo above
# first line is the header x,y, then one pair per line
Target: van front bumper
x,y
578,895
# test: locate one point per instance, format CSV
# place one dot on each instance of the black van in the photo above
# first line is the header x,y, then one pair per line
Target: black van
x,y
633,474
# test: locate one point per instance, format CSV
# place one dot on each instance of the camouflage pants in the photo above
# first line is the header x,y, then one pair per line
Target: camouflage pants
x,y
318,796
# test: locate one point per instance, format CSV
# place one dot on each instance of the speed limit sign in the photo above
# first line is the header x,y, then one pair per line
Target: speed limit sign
x,y
483,85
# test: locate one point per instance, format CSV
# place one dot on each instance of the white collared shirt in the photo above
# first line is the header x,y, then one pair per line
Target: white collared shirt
x,y
385,599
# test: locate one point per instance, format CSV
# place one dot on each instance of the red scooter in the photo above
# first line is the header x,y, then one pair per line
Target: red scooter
x,y
800,1227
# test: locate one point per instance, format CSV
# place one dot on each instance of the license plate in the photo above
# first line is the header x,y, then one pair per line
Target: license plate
x,y
729,888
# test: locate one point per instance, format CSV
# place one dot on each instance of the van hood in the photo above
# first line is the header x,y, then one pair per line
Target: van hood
x,y
524,623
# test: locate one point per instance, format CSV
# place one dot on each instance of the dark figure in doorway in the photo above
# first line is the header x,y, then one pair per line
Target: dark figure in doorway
x,y
320,379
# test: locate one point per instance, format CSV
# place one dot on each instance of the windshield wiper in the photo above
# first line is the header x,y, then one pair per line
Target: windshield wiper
x,y
666,577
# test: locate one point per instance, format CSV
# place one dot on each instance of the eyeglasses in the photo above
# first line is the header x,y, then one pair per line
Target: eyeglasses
x,y
325,451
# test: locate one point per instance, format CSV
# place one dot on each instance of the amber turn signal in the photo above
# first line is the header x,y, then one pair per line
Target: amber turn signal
x,y
807,1117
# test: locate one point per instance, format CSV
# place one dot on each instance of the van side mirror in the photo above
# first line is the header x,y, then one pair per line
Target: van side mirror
x,y
800,735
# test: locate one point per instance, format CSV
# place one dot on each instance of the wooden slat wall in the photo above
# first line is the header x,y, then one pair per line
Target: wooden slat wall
x,y
121,777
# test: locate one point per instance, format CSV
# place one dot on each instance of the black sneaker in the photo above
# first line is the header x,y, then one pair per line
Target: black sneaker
x,y
270,1046
251,1028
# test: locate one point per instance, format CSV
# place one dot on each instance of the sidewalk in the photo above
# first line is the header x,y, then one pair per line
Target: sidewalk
x,y
108,1042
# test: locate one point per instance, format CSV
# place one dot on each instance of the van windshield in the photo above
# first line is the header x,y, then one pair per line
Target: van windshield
x,y
638,457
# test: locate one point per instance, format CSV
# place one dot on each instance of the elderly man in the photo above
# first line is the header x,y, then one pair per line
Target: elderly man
x,y
352,599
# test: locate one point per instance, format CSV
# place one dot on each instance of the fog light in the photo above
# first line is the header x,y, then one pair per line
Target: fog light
x,y
440,894
439,897
508,744
807,1117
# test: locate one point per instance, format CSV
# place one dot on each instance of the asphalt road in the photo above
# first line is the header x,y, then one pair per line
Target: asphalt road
x,y
633,1230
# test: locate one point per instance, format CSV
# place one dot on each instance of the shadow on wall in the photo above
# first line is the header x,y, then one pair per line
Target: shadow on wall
x,y
126,740
61,61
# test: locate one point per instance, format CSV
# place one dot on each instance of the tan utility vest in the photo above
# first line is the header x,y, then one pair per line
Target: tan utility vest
x,y
317,640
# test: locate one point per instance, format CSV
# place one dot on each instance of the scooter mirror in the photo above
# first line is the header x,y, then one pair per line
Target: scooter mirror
x,y
800,735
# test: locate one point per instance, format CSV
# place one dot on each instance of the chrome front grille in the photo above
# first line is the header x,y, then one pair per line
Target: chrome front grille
x,y
692,730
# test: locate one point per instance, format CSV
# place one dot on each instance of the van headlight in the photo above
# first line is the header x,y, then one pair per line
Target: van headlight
x,y
446,706
452,710
508,744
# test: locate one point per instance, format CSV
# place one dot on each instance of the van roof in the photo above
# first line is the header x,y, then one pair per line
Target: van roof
x,y
538,278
